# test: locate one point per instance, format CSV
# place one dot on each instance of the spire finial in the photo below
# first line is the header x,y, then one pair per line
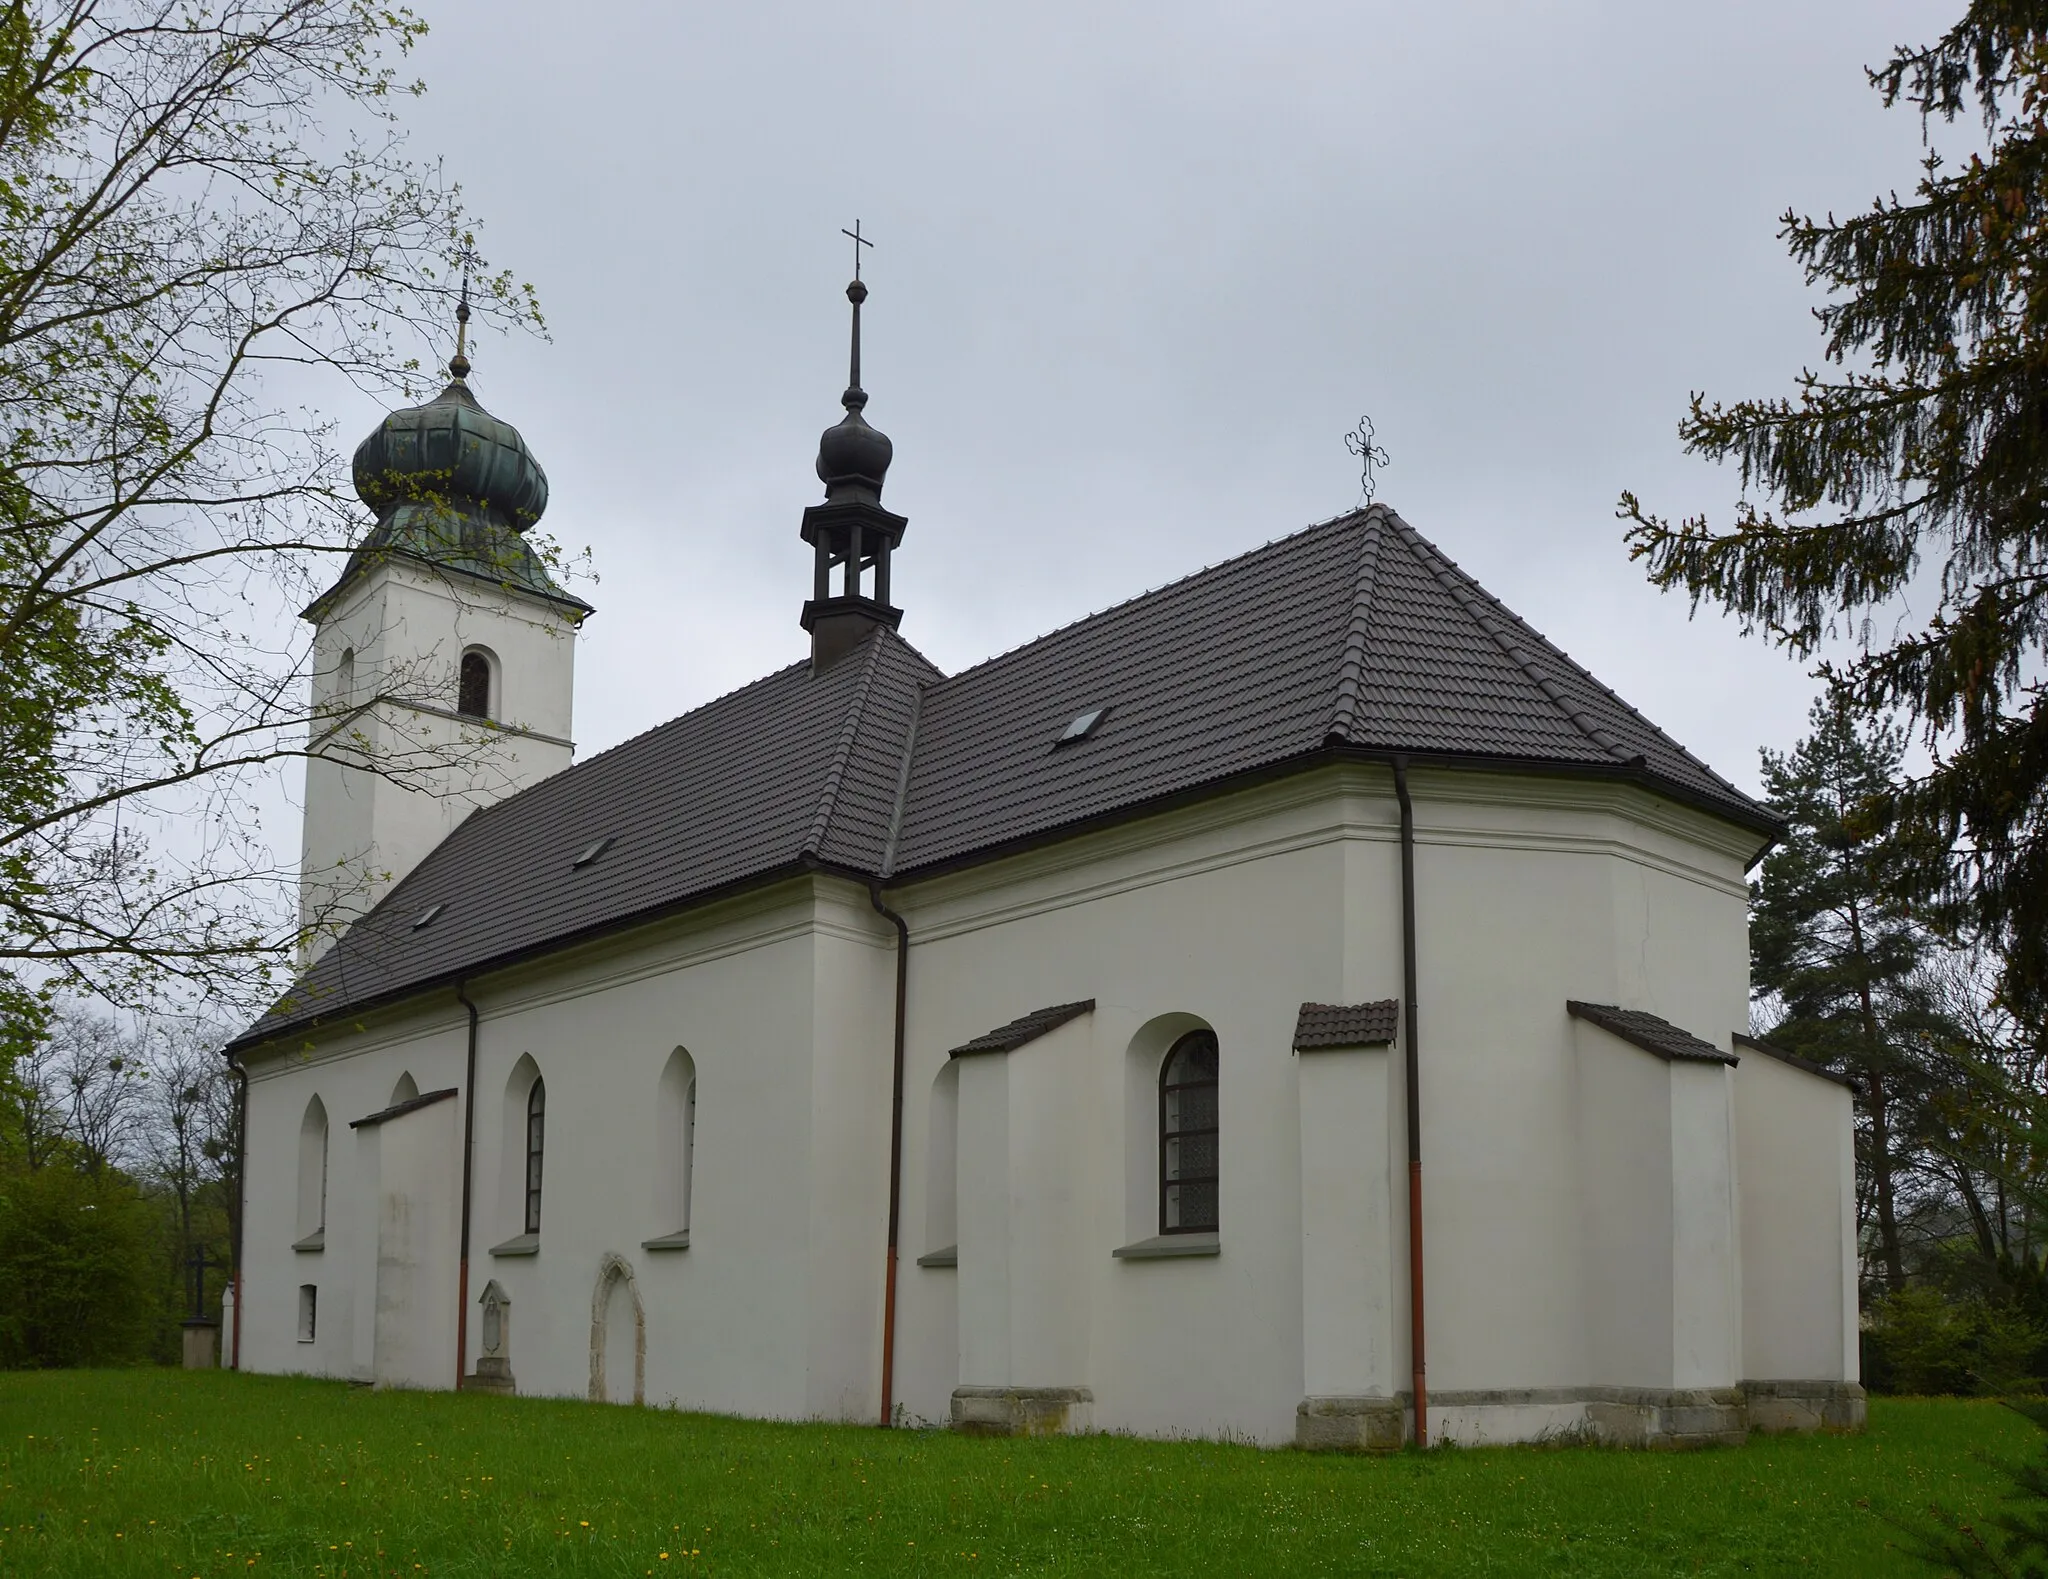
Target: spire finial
x,y
855,397
458,364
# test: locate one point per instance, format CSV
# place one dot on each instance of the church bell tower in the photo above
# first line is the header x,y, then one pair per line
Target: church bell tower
x,y
443,655
850,534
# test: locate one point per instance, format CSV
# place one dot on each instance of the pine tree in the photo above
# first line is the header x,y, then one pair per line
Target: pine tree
x,y
1924,449
1835,958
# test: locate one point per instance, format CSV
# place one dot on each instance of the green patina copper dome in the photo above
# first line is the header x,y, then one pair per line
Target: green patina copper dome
x,y
455,488
455,455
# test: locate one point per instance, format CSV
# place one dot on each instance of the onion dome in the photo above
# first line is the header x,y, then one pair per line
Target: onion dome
x,y
454,488
452,456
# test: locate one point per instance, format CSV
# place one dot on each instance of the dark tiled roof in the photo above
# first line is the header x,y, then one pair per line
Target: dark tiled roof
x,y
1025,1028
1783,1057
1650,1032
1354,634
1346,1024
792,768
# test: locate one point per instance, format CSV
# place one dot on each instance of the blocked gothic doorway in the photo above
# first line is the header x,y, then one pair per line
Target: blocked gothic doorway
x,y
618,1335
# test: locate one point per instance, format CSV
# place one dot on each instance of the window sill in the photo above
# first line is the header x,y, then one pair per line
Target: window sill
x,y
520,1245
950,1256
679,1241
315,1241
1163,1247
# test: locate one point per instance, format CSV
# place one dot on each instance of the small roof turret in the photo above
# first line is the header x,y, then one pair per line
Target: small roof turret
x,y
850,531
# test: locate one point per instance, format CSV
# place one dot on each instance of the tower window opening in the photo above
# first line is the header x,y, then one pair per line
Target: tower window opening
x,y
473,698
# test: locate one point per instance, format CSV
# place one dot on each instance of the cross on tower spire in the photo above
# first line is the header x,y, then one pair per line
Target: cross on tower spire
x,y
859,241
458,364
855,397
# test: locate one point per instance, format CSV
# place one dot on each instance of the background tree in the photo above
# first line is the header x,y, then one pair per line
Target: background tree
x,y
117,1165
1919,462
204,209
1835,958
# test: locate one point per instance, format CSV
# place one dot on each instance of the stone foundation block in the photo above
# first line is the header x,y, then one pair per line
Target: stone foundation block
x,y
492,1375
202,1344
1350,1425
1702,1417
1022,1411
1805,1406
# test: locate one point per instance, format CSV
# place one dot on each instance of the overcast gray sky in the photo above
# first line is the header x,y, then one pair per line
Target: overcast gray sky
x,y
1138,269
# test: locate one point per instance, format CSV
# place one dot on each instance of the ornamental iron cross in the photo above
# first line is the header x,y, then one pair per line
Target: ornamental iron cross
x,y
1371,457
859,241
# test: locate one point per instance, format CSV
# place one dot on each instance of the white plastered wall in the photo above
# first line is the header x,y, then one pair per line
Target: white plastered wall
x,y
418,1206
1797,1164
353,1076
1234,913
783,1001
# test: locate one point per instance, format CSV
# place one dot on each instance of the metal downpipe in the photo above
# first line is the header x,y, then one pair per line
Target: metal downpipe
x,y
1418,1378
468,1157
895,1153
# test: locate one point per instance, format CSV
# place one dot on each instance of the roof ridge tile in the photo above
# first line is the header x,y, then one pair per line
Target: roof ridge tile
x,y
897,808
842,749
1351,667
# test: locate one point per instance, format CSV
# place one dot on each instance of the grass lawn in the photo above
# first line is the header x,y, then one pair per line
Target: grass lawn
x,y
166,1473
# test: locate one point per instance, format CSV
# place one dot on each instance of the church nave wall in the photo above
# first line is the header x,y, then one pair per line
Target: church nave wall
x,y
773,1307
352,1076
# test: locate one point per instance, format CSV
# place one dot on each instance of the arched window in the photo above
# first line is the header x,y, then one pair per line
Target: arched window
x,y
676,1145
313,1176
473,699
406,1089
536,1126
1187,1136
345,677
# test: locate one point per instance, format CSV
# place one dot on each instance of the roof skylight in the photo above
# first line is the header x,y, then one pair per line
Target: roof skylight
x,y
591,852
428,914
1082,726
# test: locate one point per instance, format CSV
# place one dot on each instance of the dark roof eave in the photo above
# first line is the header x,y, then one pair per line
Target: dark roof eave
x,y
1758,1044
353,572
1751,816
1286,767
250,1040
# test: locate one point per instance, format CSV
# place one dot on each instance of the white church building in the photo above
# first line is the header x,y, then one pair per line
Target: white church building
x,y
1297,992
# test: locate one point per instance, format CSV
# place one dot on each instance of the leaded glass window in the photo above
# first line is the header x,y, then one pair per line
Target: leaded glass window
x,y
536,1126
1187,1136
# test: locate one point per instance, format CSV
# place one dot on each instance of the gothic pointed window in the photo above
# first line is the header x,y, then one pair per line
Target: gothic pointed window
x,y
473,699
536,1126
1187,1136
